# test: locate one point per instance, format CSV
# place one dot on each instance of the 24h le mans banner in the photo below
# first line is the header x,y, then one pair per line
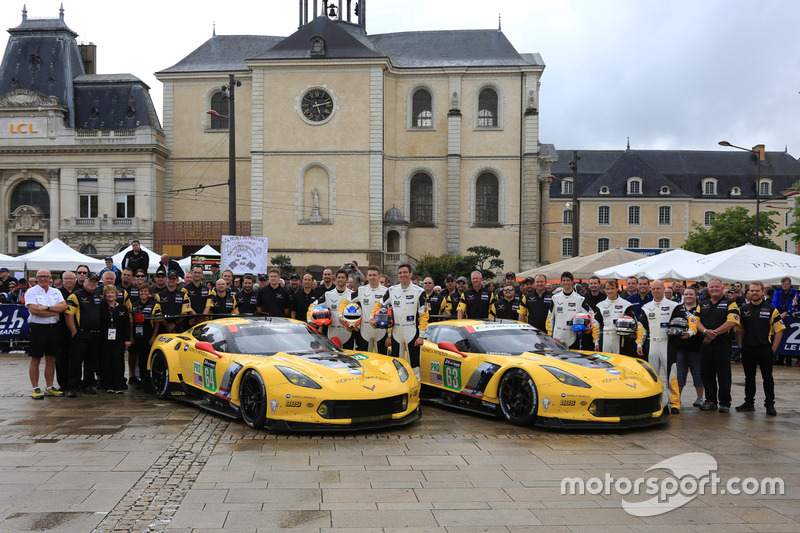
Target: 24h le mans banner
x,y
244,254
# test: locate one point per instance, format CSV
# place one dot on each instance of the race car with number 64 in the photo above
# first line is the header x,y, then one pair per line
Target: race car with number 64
x,y
515,371
281,374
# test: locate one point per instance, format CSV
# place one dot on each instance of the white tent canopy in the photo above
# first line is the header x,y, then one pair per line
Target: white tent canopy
x,y
583,267
206,250
11,263
745,263
55,255
654,266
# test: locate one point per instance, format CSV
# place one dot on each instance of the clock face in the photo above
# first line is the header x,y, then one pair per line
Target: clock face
x,y
317,105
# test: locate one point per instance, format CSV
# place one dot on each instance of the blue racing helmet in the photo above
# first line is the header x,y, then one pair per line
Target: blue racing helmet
x,y
581,322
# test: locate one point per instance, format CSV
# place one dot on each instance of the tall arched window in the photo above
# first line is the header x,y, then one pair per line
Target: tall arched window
x,y
31,193
487,199
220,105
421,200
422,109
487,108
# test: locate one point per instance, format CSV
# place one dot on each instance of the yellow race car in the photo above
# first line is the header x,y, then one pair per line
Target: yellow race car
x,y
281,374
515,371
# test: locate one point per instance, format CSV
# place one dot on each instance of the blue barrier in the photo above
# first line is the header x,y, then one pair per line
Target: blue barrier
x,y
790,342
14,322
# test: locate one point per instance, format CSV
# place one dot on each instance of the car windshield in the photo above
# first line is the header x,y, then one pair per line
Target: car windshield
x,y
268,339
513,340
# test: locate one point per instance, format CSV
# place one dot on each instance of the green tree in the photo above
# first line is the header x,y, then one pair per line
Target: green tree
x,y
732,228
793,229
440,266
487,260
284,262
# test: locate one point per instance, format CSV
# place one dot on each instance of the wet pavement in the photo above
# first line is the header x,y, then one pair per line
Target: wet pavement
x,y
134,463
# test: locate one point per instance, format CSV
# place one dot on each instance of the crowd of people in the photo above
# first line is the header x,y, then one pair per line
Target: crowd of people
x,y
84,325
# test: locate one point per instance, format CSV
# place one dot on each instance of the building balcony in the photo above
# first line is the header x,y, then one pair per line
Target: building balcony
x,y
99,224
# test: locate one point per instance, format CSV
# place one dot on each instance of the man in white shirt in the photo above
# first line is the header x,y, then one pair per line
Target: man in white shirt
x,y
44,304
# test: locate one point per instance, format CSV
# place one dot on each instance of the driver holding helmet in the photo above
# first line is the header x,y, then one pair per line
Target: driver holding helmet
x,y
563,307
616,332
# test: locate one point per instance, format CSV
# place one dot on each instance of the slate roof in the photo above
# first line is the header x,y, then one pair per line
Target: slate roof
x,y
416,49
42,55
680,170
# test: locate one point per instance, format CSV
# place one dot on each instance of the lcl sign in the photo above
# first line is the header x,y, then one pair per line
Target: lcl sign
x,y
22,128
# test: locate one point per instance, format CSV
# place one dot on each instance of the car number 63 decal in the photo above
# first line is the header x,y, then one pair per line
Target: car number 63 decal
x,y
452,374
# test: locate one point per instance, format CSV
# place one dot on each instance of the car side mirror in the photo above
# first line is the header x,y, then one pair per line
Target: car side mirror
x,y
450,347
337,341
207,347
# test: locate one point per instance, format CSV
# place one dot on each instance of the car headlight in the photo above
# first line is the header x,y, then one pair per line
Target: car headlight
x,y
298,378
566,378
649,369
401,370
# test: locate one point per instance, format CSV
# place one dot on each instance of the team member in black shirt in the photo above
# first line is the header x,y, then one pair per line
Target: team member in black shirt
x,y
173,301
476,302
758,337
221,301
145,330
83,321
454,292
115,335
507,306
302,299
247,298
718,316
536,304
273,300
136,258
68,287
434,300
326,285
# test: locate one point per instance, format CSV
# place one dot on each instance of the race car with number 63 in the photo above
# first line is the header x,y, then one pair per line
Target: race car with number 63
x,y
281,374
515,371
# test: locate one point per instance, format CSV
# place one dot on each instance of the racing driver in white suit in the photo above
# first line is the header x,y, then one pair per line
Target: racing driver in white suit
x,y
371,338
656,316
563,307
410,313
609,311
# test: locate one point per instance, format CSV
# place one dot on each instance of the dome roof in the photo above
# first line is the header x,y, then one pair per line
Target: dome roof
x,y
394,216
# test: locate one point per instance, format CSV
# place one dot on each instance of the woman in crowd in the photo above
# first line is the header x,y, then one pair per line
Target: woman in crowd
x,y
115,330
689,355
145,330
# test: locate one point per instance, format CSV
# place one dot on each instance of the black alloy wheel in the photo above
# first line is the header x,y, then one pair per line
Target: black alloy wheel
x,y
159,375
518,397
253,400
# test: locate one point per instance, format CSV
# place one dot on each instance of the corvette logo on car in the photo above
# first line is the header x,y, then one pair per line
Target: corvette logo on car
x,y
369,388
273,404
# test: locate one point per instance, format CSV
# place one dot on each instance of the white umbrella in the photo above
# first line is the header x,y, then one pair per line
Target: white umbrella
x,y
55,255
745,263
654,266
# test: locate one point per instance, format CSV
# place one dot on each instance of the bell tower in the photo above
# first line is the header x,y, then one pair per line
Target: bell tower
x,y
351,11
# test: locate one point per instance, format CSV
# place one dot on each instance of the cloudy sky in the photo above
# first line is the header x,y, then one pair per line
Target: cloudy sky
x,y
682,74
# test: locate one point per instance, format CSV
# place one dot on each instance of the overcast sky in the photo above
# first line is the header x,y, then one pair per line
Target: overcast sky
x,y
681,74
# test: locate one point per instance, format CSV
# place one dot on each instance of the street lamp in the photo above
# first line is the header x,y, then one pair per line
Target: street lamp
x,y
759,151
227,91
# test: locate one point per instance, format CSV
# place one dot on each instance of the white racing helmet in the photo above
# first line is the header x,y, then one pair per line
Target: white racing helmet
x,y
626,325
677,327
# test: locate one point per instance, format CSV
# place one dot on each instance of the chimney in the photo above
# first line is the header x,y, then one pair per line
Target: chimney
x,y
89,57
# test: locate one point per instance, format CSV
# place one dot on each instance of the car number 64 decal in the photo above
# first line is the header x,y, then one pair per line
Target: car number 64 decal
x,y
452,374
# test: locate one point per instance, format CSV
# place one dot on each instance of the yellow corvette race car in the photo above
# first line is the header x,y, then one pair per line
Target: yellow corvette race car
x,y
281,374
515,371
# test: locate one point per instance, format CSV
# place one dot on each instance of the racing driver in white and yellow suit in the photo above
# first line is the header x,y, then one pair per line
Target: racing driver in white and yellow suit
x,y
371,338
410,313
563,306
655,317
609,311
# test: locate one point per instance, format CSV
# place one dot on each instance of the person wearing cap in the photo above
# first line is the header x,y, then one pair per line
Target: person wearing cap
x,y
274,300
4,280
173,300
215,273
294,283
454,291
83,321
197,290
44,304
160,282
111,267
476,302
510,279
263,281
536,304
526,286
136,258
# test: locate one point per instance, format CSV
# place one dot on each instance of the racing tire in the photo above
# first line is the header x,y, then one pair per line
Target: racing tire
x,y
253,400
519,399
159,375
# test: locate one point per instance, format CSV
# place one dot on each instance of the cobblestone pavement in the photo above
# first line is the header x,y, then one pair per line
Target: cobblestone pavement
x,y
135,463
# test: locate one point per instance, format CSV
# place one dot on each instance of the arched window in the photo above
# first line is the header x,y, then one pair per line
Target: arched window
x,y
393,242
634,242
220,105
88,249
487,199
31,193
709,187
765,188
421,200
422,109
603,244
634,186
664,243
487,108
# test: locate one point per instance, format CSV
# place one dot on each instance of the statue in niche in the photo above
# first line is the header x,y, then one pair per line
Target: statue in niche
x,y
315,214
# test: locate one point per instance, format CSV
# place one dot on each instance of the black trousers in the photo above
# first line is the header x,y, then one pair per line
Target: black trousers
x,y
758,356
141,347
83,359
413,351
715,368
112,364
62,361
